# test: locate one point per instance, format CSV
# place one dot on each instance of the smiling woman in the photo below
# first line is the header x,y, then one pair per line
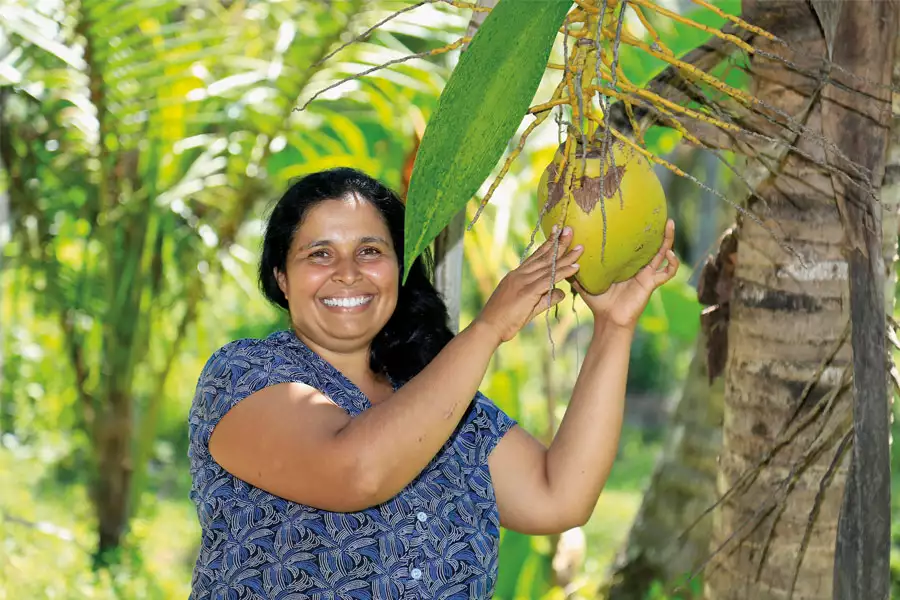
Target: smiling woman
x,y
331,252
352,456
340,280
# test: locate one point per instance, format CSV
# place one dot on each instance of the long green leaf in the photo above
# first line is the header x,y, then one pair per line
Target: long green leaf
x,y
479,110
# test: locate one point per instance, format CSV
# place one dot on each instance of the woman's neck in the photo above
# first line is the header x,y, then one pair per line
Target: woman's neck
x,y
352,363
356,368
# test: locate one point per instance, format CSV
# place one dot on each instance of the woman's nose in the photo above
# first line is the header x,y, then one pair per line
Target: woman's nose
x,y
347,271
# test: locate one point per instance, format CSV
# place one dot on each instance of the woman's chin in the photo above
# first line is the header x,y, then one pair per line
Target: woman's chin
x,y
343,332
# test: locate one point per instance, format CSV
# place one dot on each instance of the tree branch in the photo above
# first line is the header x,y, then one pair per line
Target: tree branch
x,y
671,84
98,99
75,352
448,246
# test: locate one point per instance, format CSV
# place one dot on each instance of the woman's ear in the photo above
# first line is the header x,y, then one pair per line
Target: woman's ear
x,y
282,281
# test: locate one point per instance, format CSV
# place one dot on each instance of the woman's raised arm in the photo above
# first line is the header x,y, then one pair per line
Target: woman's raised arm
x,y
548,490
291,441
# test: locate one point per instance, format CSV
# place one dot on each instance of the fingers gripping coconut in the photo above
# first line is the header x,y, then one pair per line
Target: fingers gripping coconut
x,y
522,294
623,302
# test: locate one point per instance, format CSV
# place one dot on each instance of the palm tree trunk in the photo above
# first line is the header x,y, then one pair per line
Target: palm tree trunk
x,y
890,197
448,246
6,409
113,428
788,399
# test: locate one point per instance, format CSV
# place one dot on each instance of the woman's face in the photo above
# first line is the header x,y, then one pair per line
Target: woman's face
x,y
341,275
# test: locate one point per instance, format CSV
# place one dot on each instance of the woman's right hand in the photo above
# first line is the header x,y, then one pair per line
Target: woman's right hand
x,y
524,292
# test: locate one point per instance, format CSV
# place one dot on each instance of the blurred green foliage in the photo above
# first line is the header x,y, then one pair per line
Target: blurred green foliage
x,y
221,144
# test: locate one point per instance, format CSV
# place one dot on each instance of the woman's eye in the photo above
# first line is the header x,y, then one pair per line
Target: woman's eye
x,y
370,251
318,254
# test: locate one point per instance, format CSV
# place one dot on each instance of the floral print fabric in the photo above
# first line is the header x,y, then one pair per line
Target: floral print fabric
x,y
438,538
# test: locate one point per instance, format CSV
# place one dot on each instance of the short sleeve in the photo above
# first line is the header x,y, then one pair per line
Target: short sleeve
x,y
233,373
491,424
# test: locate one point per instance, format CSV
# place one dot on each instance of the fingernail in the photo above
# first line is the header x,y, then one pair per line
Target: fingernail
x,y
567,230
554,229
576,265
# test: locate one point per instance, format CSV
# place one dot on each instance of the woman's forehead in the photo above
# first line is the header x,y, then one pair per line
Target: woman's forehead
x,y
349,219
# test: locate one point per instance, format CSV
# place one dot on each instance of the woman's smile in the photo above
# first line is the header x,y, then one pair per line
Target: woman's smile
x,y
348,304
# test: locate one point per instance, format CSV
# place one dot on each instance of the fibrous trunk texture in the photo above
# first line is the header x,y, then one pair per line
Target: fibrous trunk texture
x,y
788,389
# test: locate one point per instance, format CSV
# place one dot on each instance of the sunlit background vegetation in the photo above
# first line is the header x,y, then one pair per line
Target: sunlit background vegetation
x,y
198,101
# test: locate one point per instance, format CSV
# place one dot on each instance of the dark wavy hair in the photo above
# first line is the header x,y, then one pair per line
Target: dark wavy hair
x,y
417,330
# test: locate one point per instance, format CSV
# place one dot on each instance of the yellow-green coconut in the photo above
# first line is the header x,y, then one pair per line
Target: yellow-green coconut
x,y
630,195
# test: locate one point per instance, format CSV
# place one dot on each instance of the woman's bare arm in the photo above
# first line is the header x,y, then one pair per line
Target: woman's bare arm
x,y
541,490
544,491
293,442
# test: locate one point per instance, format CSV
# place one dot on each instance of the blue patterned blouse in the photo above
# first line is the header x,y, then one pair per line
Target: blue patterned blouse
x,y
437,538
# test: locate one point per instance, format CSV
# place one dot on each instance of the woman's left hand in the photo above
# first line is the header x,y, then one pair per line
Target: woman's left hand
x,y
622,304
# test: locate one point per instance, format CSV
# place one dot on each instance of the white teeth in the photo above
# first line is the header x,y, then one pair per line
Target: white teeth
x,y
347,302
